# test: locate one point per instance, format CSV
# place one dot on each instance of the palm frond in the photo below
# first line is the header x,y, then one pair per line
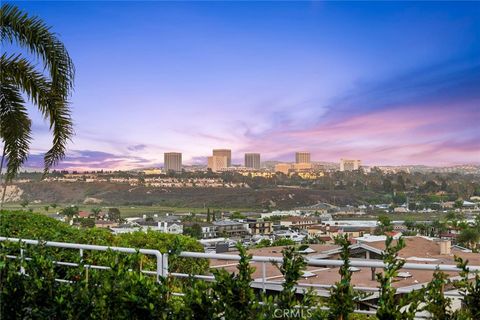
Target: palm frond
x,y
22,74
15,128
33,34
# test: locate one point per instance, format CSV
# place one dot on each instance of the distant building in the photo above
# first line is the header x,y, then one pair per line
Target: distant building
x,y
302,157
224,153
252,160
283,168
152,171
228,228
259,226
217,163
172,161
302,166
350,165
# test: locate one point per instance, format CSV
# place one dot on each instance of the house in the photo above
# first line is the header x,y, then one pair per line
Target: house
x,y
230,228
84,214
170,227
259,226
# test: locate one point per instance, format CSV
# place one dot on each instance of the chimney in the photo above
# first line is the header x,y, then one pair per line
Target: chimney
x,y
446,247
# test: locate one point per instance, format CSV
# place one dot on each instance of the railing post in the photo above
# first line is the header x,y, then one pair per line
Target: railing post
x,y
159,266
165,265
22,269
264,275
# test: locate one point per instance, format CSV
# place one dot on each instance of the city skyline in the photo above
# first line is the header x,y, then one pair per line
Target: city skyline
x,y
388,83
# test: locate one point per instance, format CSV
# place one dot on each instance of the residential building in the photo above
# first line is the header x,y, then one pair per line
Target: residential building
x,y
252,160
172,161
259,226
298,222
170,227
217,163
350,165
229,228
302,157
224,153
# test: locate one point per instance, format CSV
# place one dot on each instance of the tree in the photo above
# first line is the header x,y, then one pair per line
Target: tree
x,y
384,224
469,288
46,208
436,303
195,231
70,212
469,237
96,212
233,292
390,308
342,296
48,90
114,214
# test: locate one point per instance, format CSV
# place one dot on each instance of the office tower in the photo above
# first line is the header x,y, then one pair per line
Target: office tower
x,y
350,165
224,153
252,160
217,163
172,161
302,157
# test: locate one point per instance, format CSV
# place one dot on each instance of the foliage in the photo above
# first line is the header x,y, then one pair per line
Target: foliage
x,y
384,225
469,237
276,243
436,304
36,226
390,308
235,298
342,296
194,231
469,289
47,89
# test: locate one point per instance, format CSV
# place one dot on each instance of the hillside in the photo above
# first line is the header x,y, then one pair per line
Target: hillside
x,y
123,194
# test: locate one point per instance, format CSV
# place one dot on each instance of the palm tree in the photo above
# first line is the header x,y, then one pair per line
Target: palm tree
x,y
96,212
48,88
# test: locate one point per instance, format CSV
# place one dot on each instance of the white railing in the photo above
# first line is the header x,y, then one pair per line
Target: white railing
x,y
161,267
261,283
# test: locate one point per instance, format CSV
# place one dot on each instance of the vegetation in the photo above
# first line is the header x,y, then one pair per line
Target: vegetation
x,y
36,226
422,190
390,308
123,292
47,89
343,297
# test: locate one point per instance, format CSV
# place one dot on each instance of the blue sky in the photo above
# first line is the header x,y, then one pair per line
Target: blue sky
x,y
386,82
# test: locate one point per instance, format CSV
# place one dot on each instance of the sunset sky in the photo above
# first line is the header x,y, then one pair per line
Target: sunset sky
x,y
388,83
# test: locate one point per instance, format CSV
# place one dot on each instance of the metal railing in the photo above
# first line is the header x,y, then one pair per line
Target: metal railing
x,y
161,262
162,269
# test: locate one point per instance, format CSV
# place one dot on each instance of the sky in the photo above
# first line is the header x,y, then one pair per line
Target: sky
x,y
385,82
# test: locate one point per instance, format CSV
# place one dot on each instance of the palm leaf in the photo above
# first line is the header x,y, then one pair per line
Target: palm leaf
x,y
15,128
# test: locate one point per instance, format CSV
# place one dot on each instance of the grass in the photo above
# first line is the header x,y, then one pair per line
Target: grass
x,y
126,211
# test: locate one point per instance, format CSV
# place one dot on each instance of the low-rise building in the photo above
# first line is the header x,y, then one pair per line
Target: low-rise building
x,y
297,222
259,226
230,228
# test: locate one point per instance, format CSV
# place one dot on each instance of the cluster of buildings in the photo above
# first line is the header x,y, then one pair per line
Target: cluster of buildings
x,y
221,160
